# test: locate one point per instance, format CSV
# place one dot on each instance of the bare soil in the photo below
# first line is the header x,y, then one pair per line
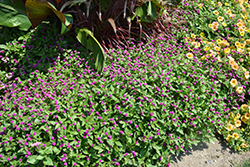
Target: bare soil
x,y
216,154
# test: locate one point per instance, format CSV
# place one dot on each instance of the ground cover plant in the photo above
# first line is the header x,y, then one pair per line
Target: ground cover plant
x,y
153,100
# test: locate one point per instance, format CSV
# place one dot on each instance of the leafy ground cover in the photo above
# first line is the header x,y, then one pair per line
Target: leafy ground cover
x,y
152,100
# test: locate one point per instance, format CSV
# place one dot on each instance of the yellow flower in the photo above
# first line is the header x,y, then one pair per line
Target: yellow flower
x,y
235,135
190,55
229,138
238,148
234,82
240,24
216,12
193,36
227,4
224,24
237,123
227,50
242,34
244,119
238,115
231,115
217,48
243,145
244,107
246,74
235,66
220,4
220,18
202,34
247,42
230,127
239,89
242,46
210,25
203,58
218,41
237,44
241,29
247,116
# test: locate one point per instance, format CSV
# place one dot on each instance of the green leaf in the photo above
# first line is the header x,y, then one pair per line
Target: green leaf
x,y
152,9
18,5
48,161
48,150
56,150
86,38
12,18
140,11
32,159
68,21
40,157
38,11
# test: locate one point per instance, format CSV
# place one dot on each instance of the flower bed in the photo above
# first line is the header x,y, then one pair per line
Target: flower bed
x,y
153,100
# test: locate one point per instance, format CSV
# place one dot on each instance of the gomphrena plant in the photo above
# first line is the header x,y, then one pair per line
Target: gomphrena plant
x,y
153,100
156,103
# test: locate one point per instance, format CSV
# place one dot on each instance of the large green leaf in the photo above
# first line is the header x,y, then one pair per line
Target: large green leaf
x,y
12,18
68,21
152,9
16,4
32,159
86,38
39,10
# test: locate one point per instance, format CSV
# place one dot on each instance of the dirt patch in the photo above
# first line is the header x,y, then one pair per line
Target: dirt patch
x,y
216,154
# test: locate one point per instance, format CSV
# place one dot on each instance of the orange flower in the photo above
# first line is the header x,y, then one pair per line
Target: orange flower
x,y
231,61
235,66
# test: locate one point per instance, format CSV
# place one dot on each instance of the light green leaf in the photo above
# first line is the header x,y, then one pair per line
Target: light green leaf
x,y
12,18
32,159
86,38
48,161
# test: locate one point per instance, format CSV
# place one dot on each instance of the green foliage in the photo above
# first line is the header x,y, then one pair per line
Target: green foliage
x,y
86,38
153,100
10,17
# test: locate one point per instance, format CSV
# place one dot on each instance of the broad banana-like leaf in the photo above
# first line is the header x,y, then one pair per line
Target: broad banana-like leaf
x,y
10,17
39,10
16,4
85,37
152,9
68,21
